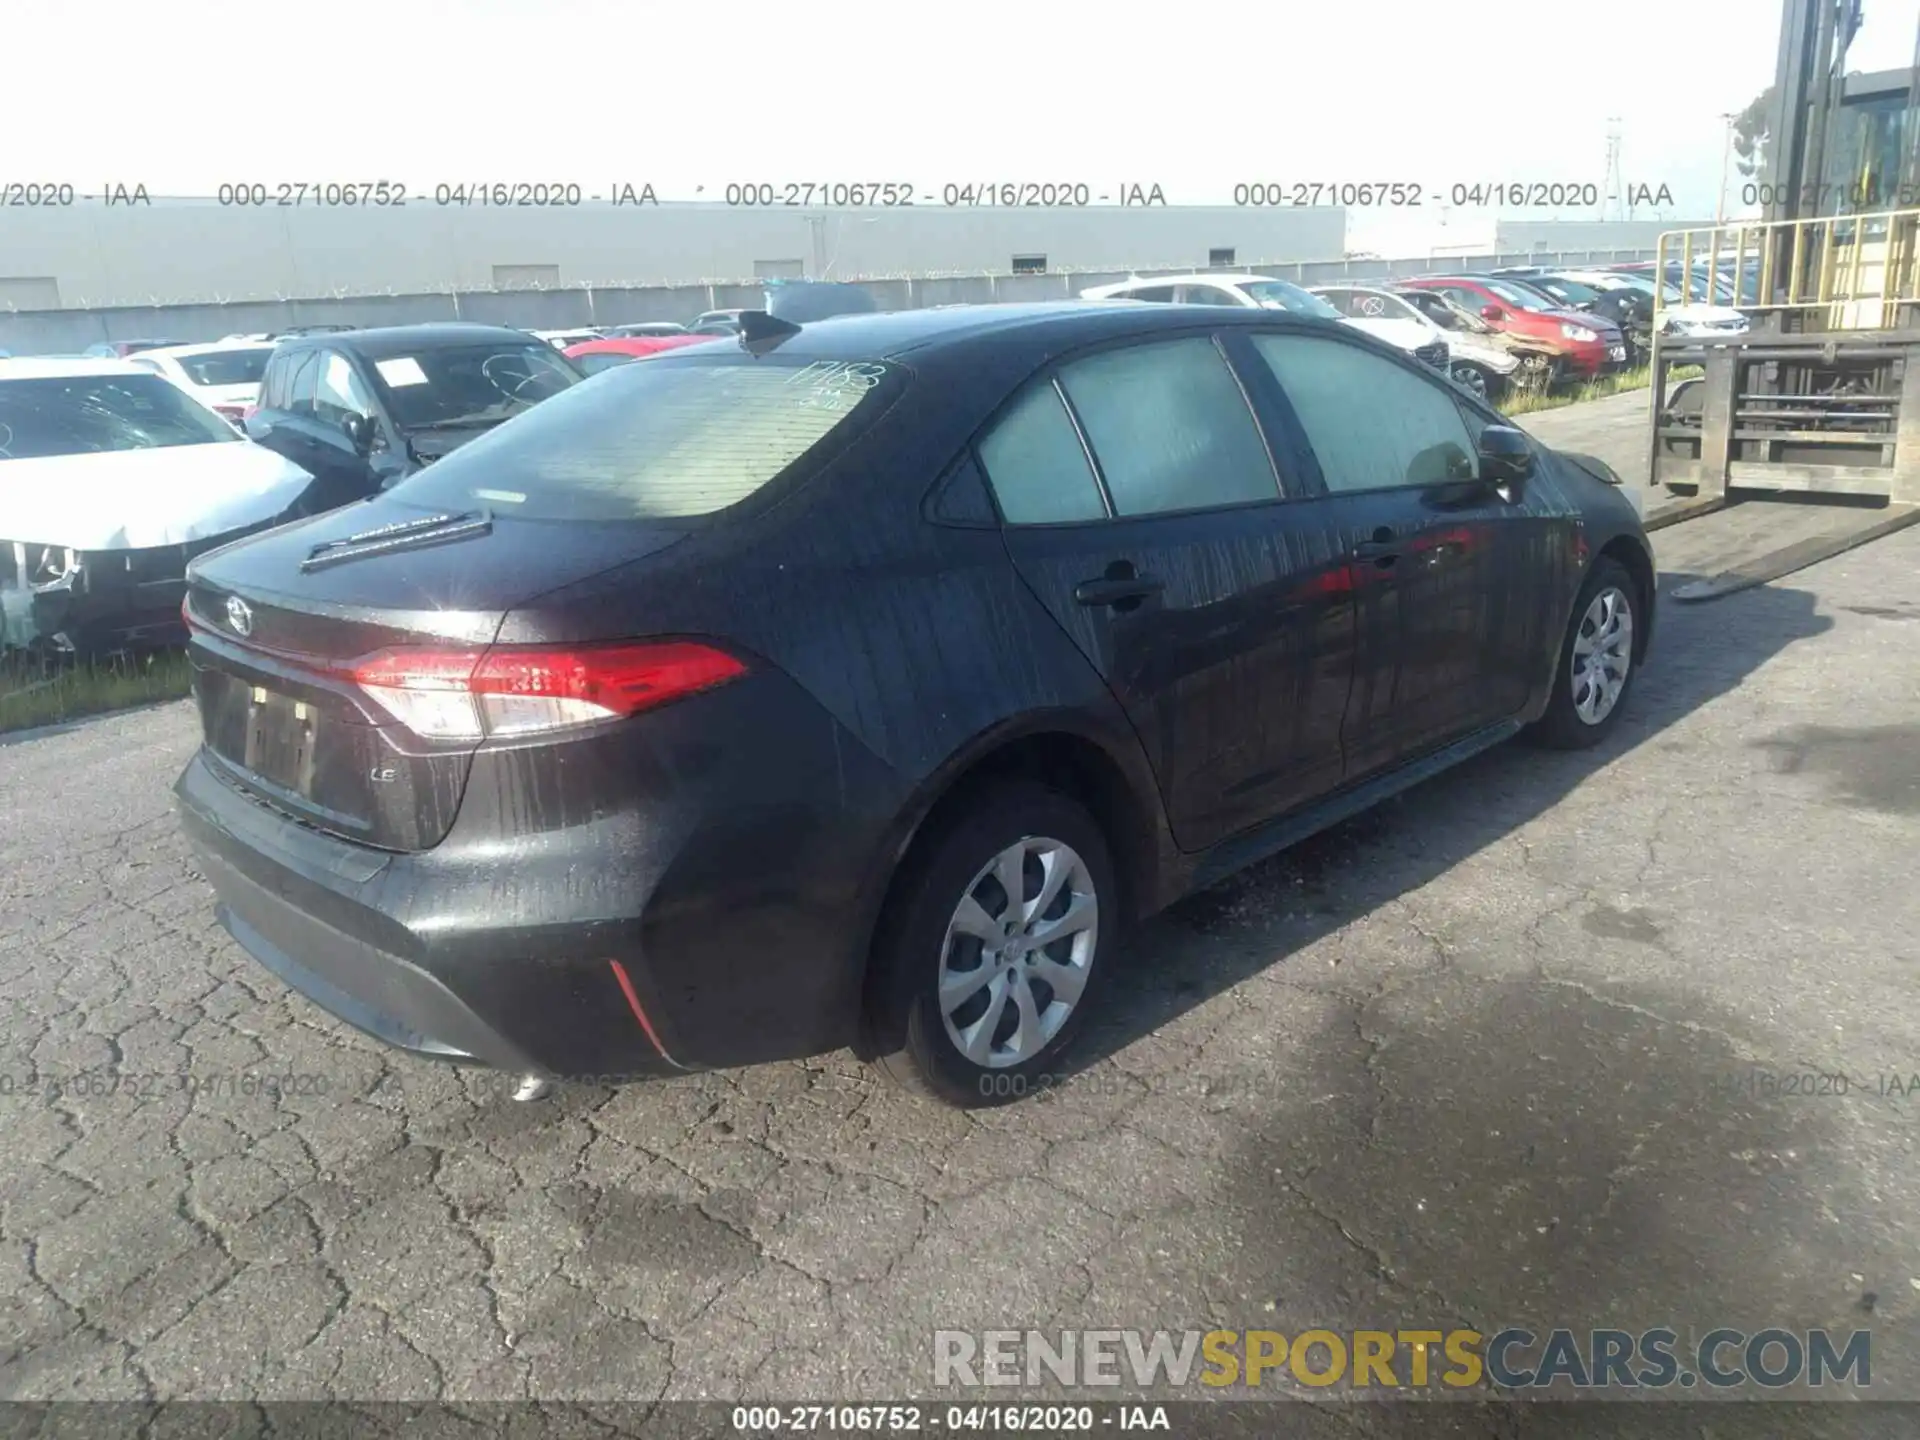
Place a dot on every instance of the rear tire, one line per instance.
(1596, 664)
(989, 1005)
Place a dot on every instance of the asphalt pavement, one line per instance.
(1498, 1053)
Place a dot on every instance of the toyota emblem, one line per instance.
(239, 615)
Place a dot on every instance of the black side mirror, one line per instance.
(1506, 457)
(360, 432)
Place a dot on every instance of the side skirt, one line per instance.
(1231, 856)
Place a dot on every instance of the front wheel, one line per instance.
(1472, 378)
(996, 945)
(1596, 664)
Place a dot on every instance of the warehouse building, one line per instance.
(91, 254)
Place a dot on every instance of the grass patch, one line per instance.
(1636, 379)
(1533, 404)
(33, 693)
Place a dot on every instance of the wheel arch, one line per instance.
(1633, 556)
(1106, 773)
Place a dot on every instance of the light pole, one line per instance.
(1726, 155)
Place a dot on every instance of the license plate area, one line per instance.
(280, 740)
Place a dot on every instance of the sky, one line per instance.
(185, 95)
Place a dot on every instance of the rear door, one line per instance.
(1142, 506)
(303, 422)
(1454, 581)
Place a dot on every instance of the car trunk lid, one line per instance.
(281, 649)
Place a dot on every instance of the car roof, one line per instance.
(45, 367)
(1041, 327)
(1192, 277)
(211, 347)
(394, 340)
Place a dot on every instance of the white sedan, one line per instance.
(1268, 292)
(224, 376)
(111, 479)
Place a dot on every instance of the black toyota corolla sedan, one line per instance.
(859, 683)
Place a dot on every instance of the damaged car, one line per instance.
(1472, 361)
(1470, 338)
(364, 409)
(111, 479)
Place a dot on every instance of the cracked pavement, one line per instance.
(1474, 1058)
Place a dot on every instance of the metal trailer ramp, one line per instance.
(1735, 543)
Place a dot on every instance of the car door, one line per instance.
(306, 427)
(1454, 580)
(1142, 506)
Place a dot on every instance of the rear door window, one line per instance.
(338, 390)
(1037, 466)
(303, 388)
(1170, 428)
(672, 439)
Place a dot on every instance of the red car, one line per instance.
(590, 357)
(1586, 345)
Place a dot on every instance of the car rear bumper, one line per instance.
(716, 915)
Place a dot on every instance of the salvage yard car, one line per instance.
(859, 684)
(111, 479)
(363, 408)
(1265, 292)
(224, 377)
(1473, 361)
(1583, 346)
(597, 355)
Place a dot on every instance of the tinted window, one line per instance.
(665, 440)
(1035, 463)
(1372, 423)
(273, 385)
(1209, 295)
(302, 389)
(82, 414)
(338, 390)
(1170, 428)
(226, 367)
(1161, 293)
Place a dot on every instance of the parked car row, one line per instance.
(120, 470)
(358, 411)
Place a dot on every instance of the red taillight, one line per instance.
(513, 690)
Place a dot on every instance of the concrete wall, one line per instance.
(184, 251)
(67, 331)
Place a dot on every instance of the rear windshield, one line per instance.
(672, 439)
(86, 414)
(226, 367)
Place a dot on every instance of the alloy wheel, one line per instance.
(1018, 951)
(1602, 655)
